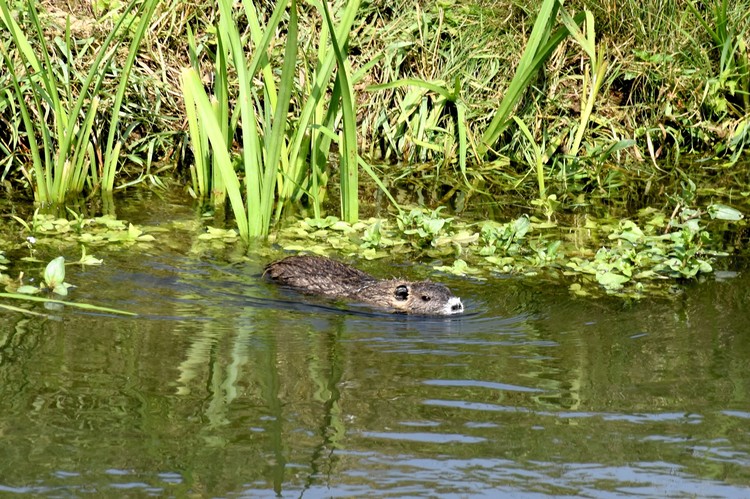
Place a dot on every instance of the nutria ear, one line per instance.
(402, 292)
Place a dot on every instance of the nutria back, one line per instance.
(323, 276)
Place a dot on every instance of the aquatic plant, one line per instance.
(54, 276)
(274, 153)
(59, 106)
(94, 231)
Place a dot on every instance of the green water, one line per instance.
(226, 386)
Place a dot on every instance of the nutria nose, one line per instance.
(457, 307)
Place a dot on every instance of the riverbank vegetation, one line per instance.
(556, 112)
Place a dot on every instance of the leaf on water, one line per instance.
(110, 222)
(342, 226)
(578, 290)
(90, 260)
(90, 238)
(500, 261)
(340, 243)
(459, 267)
(611, 280)
(27, 290)
(521, 226)
(215, 233)
(723, 212)
(134, 232)
(372, 254)
(54, 273)
(465, 237)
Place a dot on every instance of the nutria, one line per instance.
(323, 276)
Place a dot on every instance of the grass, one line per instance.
(605, 90)
(58, 106)
(274, 153)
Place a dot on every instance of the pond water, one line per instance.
(227, 386)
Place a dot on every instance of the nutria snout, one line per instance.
(319, 275)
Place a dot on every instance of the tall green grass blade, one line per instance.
(278, 127)
(526, 68)
(537, 155)
(323, 72)
(348, 167)
(230, 38)
(80, 154)
(413, 82)
(212, 129)
(61, 117)
(593, 77)
(462, 139)
(198, 142)
(42, 169)
(145, 11)
(82, 306)
(42, 189)
(540, 46)
(368, 169)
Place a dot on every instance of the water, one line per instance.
(227, 386)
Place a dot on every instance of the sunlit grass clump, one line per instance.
(60, 106)
(285, 128)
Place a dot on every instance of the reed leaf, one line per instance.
(212, 129)
(111, 153)
(82, 306)
(540, 46)
(275, 141)
(320, 144)
(593, 77)
(348, 167)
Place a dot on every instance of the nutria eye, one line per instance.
(425, 298)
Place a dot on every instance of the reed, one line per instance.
(280, 160)
(540, 45)
(59, 106)
(594, 72)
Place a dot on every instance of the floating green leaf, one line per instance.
(54, 273)
(723, 212)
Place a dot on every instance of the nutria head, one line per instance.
(422, 298)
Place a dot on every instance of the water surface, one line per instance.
(227, 386)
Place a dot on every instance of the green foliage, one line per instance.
(273, 154)
(58, 106)
(540, 45)
(422, 228)
(98, 231)
(432, 233)
(503, 239)
(728, 92)
(683, 251)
